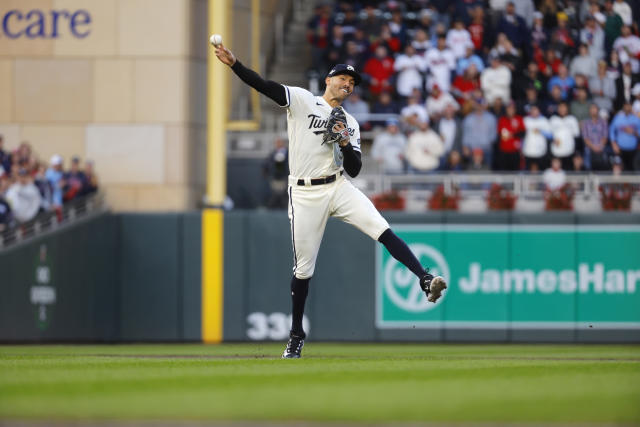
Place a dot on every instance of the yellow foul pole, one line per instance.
(212, 216)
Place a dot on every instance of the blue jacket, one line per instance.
(626, 141)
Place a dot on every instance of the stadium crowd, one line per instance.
(489, 85)
(29, 186)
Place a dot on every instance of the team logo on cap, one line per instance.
(350, 68)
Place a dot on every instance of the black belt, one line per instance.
(320, 181)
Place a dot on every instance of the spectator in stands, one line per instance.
(513, 26)
(563, 37)
(353, 55)
(595, 132)
(458, 39)
(496, 81)
(565, 129)
(44, 187)
(388, 40)
(55, 176)
(602, 87)
(580, 105)
(5, 209)
(24, 197)
(438, 101)
(424, 149)
(440, 63)
(538, 131)
(421, 42)
(550, 105)
(276, 170)
(75, 180)
(5, 158)
(635, 107)
(563, 80)
(449, 128)
(578, 165)
(479, 30)
(349, 22)
(530, 77)
(530, 99)
(624, 132)
(398, 27)
(414, 112)
(583, 63)
(593, 37)
(508, 54)
(389, 147)
(479, 130)
(409, 68)
(464, 87)
(384, 105)
(510, 132)
(624, 84)
(554, 178)
(628, 48)
(379, 70)
(318, 31)
(358, 108)
(469, 58)
(539, 34)
(372, 23)
(623, 9)
(613, 25)
(92, 179)
(549, 64)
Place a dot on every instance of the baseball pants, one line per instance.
(310, 206)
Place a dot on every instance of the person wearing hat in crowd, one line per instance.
(440, 64)
(388, 148)
(424, 149)
(624, 133)
(23, 197)
(438, 101)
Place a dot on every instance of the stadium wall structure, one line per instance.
(513, 278)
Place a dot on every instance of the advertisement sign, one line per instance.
(515, 276)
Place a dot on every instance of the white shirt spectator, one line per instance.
(624, 10)
(440, 64)
(24, 200)
(594, 38)
(457, 41)
(628, 48)
(418, 109)
(388, 150)
(585, 65)
(565, 130)
(448, 129)
(436, 106)
(496, 83)
(554, 179)
(424, 149)
(535, 141)
(409, 69)
(525, 9)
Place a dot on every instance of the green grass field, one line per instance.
(418, 383)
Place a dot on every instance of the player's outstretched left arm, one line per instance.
(273, 90)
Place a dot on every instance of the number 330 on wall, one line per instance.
(274, 326)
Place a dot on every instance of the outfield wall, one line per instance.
(137, 277)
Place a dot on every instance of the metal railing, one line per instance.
(50, 220)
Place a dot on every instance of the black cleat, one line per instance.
(294, 347)
(432, 286)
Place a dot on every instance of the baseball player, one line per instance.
(324, 142)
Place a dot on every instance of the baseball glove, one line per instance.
(332, 135)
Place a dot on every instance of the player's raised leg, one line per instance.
(356, 209)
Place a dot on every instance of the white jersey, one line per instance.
(306, 121)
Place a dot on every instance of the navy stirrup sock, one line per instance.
(400, 251)
(299, 292)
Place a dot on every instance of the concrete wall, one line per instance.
(121, 82)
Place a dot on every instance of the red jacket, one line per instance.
(381, 70)
(508, 130)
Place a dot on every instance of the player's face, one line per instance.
(340, 86)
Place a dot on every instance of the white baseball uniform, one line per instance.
(311, 205)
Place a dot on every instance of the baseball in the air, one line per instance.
(215, 39)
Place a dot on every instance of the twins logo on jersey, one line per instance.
(317, 122)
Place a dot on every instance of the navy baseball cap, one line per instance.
(345, 69)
